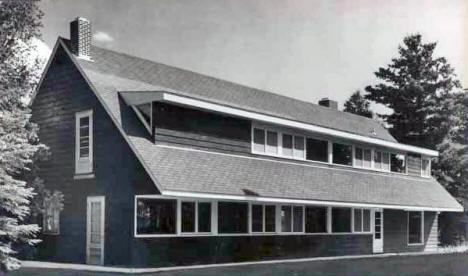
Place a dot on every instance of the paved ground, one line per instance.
(437, 265)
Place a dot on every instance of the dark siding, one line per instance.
(184, 126)
(63, 93)
(414, 164)
(202, 250)
(396, 235)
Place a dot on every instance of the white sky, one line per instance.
(303, 49)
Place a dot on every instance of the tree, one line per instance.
(358, 104)
(19, 143)
(413, 86)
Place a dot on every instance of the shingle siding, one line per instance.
(414, 164)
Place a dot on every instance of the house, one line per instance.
(162, 166)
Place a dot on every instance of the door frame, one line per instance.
(377, 247)
(102, 200)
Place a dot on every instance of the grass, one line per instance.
(417, 265)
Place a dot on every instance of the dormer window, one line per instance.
(144, 113)
(425, 167)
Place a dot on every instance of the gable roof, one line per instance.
(122, 72)
(180, 170)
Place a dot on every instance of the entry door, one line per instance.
(95, 230)
(378, 231)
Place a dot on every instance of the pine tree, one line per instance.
(19, 144)
(413, 86)
(358, 104)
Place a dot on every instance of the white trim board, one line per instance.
(188, 101)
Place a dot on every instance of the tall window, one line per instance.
(317, 150)
(84, 142)
(232, 217)
(415, 227)
(425, 167)
(156, 216)
(315, 219)
(342, 154)
(341, 220)
(398, 163)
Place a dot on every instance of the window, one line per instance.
(361, 220)
(232, 217)
(259, 140)
(315, 219)
(299, 147)
(426, 167)
(287, 145)
(378, 160)
(263, 218)
(298, 215)
(386, 161)
(51, 219)
(195, 217)
(415, 227)
(156, 216)
(381, 161)
(342, 154)
(84, 142)
(144, 113)
(272, 142)
(341, 220)
(292, 218)
(398, 163)
(286, 219)
(362, 157)
(317, 150)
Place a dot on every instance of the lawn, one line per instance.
(448, 264)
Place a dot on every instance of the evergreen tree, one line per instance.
(19, 144)
(358, 104)
(414, 85)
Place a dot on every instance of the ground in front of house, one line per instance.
(447, 264)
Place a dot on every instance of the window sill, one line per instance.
(83, 176)
(415, 244)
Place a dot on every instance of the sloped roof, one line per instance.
(122, 72)
(177, 169)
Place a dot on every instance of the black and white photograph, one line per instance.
(233, 137)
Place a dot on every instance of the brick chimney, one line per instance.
(80, 37)
(328, 103)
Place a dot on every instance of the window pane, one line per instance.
(414, 227)
(259, 140)
(367, 158)
(188, 216)
(145, 110)
(378, 160)
(317, 150)
(357, 220)
(299, 147)
(298, 217)
(270, 218)
(366, 220)
(316, 219)
(426, 171)
(285, 218)
(272, 142)
(156, 216)
(397, 163)
(287, 145)
(341, 220)
(386, 161)
(204, 217)
(257, 218)
(358, 157)
(232, 217)
(342, 154)
(84, 122)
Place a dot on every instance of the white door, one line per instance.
(378, 231)
(95, 230)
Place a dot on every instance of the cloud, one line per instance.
(102, 37)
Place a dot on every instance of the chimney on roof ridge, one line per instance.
(80, 37)
(328, 103)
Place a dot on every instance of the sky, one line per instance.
(305, 49)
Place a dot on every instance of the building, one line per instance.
(162, 166)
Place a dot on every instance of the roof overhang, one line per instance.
(140, 97)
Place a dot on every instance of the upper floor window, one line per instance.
(426, 167)
(398, 163)
(317, 150)
(84, 142)
(381, 161)
(342, 154)
(362, 157)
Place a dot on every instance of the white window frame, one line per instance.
(292, 232)
(406, 161)
(363, 149)
(84, 165)
(142, 119)
(195, 201)
(55, 217)
(423, 173)
(362, 220)
(263, 217)
(422, 229)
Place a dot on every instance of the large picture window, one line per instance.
(232, 217)
(342, 154)
(415, 227)
(84, 142)
(341, 220)
(315, 219)
(317, 150)
(156, 216)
